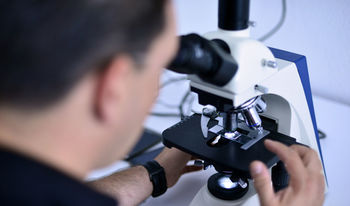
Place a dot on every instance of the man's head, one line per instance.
(48, 46)
(95, 61)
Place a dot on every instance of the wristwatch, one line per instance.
(157, 177)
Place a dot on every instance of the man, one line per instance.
(77, 80)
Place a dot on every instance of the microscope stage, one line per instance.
(187, 136)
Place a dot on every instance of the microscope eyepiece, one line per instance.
(210, 60)
(234, 14)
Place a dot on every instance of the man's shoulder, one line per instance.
(25, 181)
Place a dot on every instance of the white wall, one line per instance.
(318, 29)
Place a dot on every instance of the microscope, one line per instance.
(249, 93)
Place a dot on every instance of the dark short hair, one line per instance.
(47, 46)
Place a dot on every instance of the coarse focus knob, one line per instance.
(280, 177)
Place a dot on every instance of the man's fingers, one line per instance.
(315, 182)
(292, 160)
(309, 157)
(301, 150)
(262, 183)
(189, 169)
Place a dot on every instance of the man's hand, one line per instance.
(174, 163)
(132, 186)
(306, 184)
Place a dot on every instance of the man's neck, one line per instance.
(47, 140)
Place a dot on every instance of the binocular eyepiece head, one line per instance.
(210, 60)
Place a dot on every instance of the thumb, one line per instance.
(262, 183)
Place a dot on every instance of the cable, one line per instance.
(278, 25)
(171, 81)
(321, 134)
(180, 114)
(158, 114)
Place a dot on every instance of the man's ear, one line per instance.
(112, 88)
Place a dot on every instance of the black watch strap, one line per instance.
(157, 177)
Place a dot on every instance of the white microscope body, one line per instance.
(254, 83)
(277, 81)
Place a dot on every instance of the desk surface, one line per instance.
(332, 118)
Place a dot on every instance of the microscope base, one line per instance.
(205, 198)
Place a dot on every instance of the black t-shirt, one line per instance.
(24, 181)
